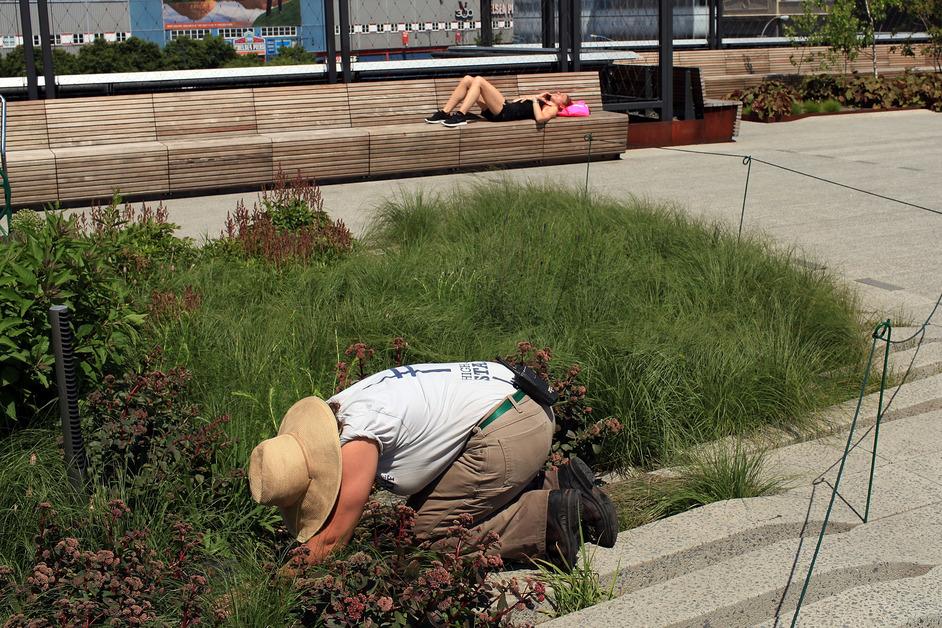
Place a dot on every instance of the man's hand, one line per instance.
(359, 458)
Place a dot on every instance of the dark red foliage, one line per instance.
(289, 225)
(577, 432)
(141, 429)
(120, 581)
(396, 582)
(168, 305)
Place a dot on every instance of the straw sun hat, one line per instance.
(299, 470)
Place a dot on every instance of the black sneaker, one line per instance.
(457, 119)
(438, 117)
(599, 517)
(562, 529)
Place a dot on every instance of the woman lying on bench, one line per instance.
(475, 90)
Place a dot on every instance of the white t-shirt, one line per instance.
(420, 415)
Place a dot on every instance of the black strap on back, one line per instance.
(527, 380)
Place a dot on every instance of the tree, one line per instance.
(929, 14)
(193, 54)
(844, 26)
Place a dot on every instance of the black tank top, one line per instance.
(517, 111)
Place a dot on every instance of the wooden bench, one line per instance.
(727, 70)
(86, 149)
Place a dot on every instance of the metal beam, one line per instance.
(345, 41)
(26, 21)
(45, 41)
(330, 39)
(666, 58)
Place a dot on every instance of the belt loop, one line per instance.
(514, 402)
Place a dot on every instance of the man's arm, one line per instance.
(359, 458)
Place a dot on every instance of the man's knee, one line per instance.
(468, 79)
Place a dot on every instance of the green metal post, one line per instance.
(837, 480)
(888, 328)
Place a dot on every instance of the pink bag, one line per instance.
(578, 109)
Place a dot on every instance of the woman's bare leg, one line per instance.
(458, 94)
(480, 89)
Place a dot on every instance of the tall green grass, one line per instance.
(685, 333)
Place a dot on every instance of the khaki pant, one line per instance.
(489, 481)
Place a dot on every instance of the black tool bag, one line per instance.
(532, 384)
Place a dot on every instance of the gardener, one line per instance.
(459, 439)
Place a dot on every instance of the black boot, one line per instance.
(562, 528)
(599, 517)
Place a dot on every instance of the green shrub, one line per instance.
(139, 242)
(26, 221)
(830, 106)
(797, 108)
(820, 86)
(571, 591)
(717, 474)
(57, 264)
(811, 106)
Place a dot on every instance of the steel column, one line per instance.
(26, 21)
(345, 41)
(711, 19)
(575, 32)
(487, 23)
(547, 23)
(718, 35)
(45, 41)
(330, 39)
(564, 30)
(666, 58)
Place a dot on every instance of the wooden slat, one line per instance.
(579, 85)
(565, 137)
(412, 148)
(301, 108)
(391, 102)
(26, 125)
(97, 172)
(210, 113)
(32, 175)
(210, 163)
(753, 61)
(507, 85)
(100, 120)
(320, 155)
(496, 143)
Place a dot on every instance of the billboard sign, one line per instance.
(249, 44)
(200, 14)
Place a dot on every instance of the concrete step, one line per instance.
(728, 563)
(912, 601)
(753, 587)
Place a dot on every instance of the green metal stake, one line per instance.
(887, 327)
(840, 474)
(588, 160)
(746, 161)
